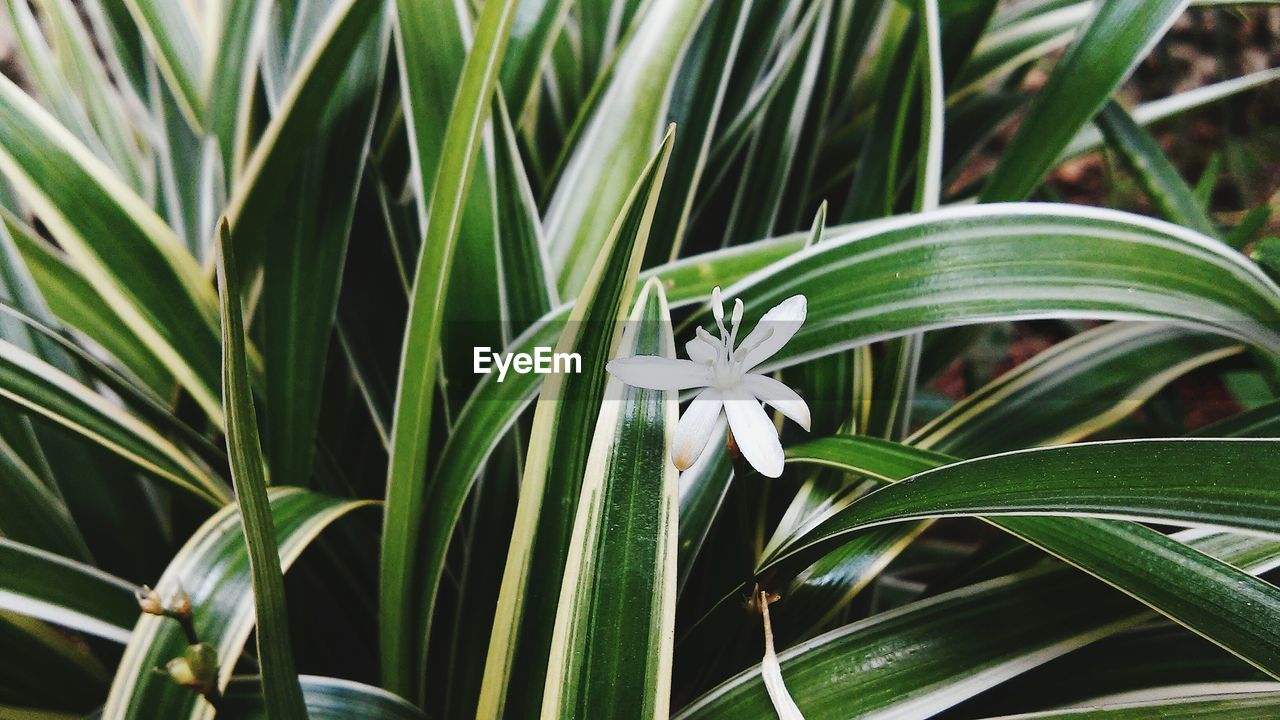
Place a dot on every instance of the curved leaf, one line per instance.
(213, 567)
(327, 699)
(122, 247)
(1017, 261)
(45, 390)
(72, 594)
(1196, 482)
(1075, 388)
(927, 656)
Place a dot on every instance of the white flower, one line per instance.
(730, 385)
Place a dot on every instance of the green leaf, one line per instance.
(44, 667)
(1017, 261)
(1152, 567)
(1072, 390)
(1184, 706)
(402, 643)
(49, 587)
(529, 291)
(494, 407)
(1117, 37)
(306, 241)
(530, 47)
(269, 171)
(771, 153)
(280, 687)
(1129, 479)
(1168, 192)
(171, 36)
(122, 247)
(231, 76)
(697, 99)
(615, 625)
(555, 464)
(73, 300)
(327, 699)
(950, 647)
(1149, 113)
(44, 390)
(74, 82)
(213, 567)
(33, 512)
(615, 142)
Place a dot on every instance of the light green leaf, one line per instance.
(402, 641)
(171, 36)
(615, 143)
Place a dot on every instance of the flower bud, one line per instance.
(149, 601)
(180, 604)
(196, 669)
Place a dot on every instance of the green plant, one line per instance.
(248, 250)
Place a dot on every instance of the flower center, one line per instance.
(730, 364)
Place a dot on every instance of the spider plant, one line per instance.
(249, 250)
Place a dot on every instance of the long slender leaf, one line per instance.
(280, 689)
(171, 36)
(1168, 567)
(1170, 194)
(567, 411)
(1016, 261)
(50, 587)
(402, 643)
(616, 141)
(47, 391)
(615, 626)
(1076, 388)
(1118, 35)
(929, 655)
(1131, 478)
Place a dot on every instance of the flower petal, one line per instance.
(774, 393)
(701, 351)
(784, 320)
(754, 433)
(694, 428)
(658, 373)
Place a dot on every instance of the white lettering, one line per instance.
(542, 362)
